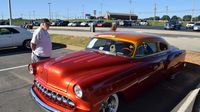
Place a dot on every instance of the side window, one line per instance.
(4, 31)
(146, 48)
(13, 30)
(163, 46)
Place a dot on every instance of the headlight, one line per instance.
(30, 69)
(78, 91)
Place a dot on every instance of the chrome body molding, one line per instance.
(45, 106)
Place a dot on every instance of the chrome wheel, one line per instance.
(110, 104)
(27, 44)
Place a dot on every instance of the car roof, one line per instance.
(132, 37)
(8, 26)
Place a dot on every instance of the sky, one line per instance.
(64, 9)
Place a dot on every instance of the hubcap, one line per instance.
(27, 44)
(110, 104)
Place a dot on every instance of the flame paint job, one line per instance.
(100, 75)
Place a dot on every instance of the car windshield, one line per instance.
(110, 46)
(197, 24)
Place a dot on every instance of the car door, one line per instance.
(150, 63)
(19, 35)
(5, 38)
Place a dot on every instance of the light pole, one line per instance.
(83, 12)
(10, 12)
(101, 4)
(193, 2)
(33, 14)
(130, 9)
(167, 10)
(155, 12)
(49, 11)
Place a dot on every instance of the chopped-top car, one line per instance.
(113, 65)
(14, 36)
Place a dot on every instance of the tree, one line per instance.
(157, 18)
(174, 17)
(152, 18)
(92, 17)
(198, 18)
(165, 17)
(187, 18)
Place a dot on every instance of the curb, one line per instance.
(186, 105)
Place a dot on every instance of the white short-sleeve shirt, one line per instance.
(43, 43)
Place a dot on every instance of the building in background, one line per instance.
(120, 16)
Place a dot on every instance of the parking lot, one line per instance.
(15, 82)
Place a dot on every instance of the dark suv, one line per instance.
(173, 25)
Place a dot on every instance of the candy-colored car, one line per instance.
(114, 65)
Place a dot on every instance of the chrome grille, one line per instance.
(54, 95)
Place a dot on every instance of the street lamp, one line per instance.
(49, 11)
(10, 12)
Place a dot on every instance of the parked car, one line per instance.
(12, 36)
(97, 22)
(196, 26)
(36, 23)
(172, 25)
(62, 23)
(70, 24)
(104, 24)
(84, 24)
(144, 23)
(125, 23)
(76, 23)
(190, 25)
(112, 65)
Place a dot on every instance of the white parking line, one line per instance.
(11, 68)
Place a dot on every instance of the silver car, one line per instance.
(14, 36)
(196, 26)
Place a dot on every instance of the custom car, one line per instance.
(113, 66)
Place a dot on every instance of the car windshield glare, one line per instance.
(110, 46)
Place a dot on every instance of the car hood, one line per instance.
(62, 70)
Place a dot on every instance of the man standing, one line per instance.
(113, 27)
(41, 43)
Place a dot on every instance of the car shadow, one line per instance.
(20, 50)
(164, 96)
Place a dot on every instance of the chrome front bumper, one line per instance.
(45, 106)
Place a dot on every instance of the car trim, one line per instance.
(45, 106)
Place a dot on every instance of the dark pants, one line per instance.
(35, 58)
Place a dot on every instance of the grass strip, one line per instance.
(79, 41)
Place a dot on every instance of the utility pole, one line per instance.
(2, 15)
(167, 10)
(83, 12)
(10, 12)
(130, 9)
(33, 14)
(67, 13)
(155, 12)
(49, 11)
(101, 4)
(193, 2)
